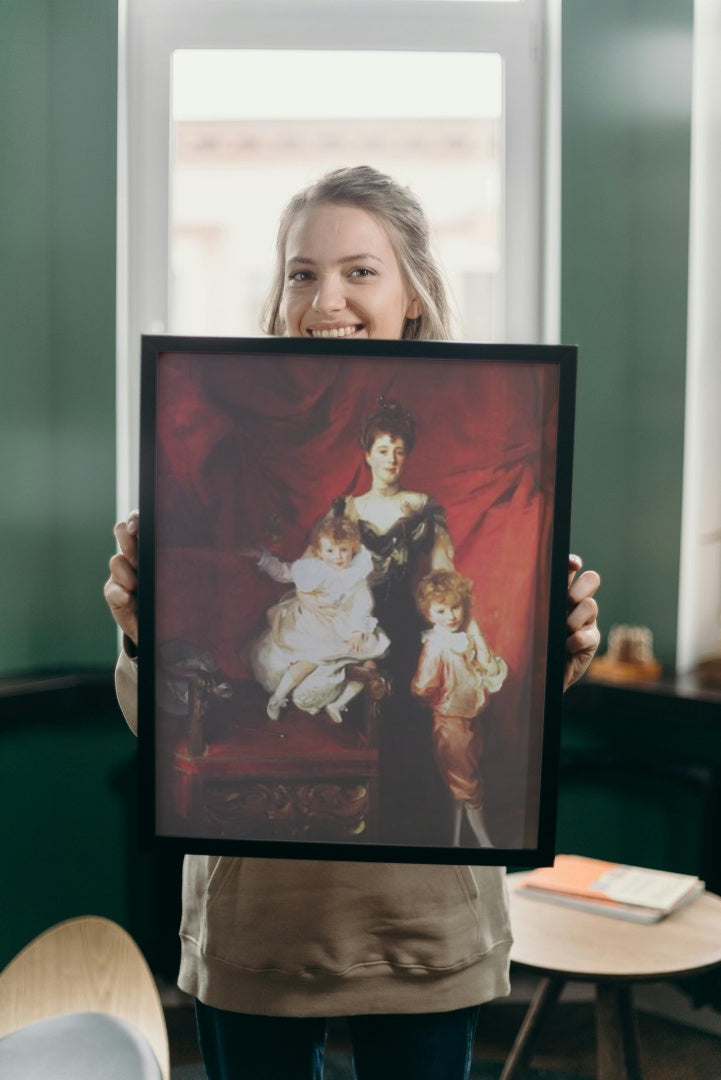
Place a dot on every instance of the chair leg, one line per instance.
(617, 1033)
(545, 997)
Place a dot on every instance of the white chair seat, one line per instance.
(78, 1046)
(80, 1002)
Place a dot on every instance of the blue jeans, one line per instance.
(415, 1046)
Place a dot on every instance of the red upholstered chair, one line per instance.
(231, 772)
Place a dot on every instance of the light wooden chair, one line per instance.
(87, 970)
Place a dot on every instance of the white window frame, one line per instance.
(699, 597)
(526, 34)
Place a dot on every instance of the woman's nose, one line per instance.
(329, 295)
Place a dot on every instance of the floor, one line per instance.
(669, 1051)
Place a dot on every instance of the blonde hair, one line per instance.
(335, 527)
(402, 216)
(441, 587)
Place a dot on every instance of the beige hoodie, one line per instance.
(284, 937)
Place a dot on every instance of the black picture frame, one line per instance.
(246, 443)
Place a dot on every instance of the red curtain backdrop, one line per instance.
(253, 449)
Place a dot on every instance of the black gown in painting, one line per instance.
(414, 804)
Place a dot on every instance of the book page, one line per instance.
(652, 888)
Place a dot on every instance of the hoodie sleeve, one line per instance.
(126, 688)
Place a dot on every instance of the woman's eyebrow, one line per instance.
(361, 257)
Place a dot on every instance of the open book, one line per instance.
(608, 888)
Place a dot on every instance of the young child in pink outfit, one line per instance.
(456, 672)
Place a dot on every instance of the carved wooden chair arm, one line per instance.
(376, 682)
(199, 685)
(377, 685)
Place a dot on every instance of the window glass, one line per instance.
(251, 127)
(470, 1)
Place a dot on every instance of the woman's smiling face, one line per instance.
(342, 277)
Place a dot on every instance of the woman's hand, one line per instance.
(121, 587)
(582, 633)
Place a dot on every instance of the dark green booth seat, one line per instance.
(68, 801)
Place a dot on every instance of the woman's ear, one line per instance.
(415, 309)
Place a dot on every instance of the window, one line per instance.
(235, 161)
(227, 107)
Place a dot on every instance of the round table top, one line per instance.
(559, 940)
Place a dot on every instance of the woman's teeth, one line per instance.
(337, 331)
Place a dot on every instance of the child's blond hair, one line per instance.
(442, 587)
(336, 527)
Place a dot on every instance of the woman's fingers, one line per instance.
(575, 562)
(126, 534)
(123, 607)
(123, 572)
(121, 587)
(583, 611)
(582, 633)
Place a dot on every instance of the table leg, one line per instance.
(617, 1033)
(545, 997)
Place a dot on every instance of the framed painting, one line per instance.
(352, 597)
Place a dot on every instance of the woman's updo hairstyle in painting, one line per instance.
(403, 217)
(390, 418)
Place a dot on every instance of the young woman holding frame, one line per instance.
(272, 948)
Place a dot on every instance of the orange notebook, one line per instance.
(632, 892)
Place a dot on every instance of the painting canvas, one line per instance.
(352, 597)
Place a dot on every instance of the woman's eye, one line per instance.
(362, 272)
(299, 276)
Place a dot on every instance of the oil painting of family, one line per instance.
(321, 522)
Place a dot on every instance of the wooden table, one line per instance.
(563, 944)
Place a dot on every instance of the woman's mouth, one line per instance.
(335, 331)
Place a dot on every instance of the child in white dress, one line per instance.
(456, 672)
(326, 623)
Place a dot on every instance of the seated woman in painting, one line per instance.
(407, 535)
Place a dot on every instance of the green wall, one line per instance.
(58, 65)
(66, 758)
(626, 145)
